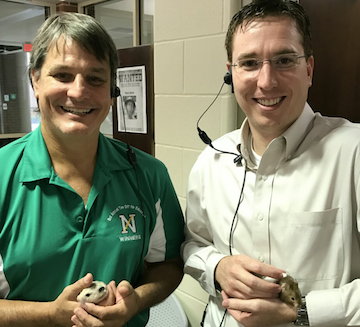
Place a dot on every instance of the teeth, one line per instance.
(77, 111)
(269, 102)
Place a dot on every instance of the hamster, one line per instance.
(290, 292)
(95, 293)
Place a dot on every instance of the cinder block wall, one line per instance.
(190, 62)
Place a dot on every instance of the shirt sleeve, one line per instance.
(198, 251)
(4, 286)
(340, 306)
(167, 235)
(335, 307)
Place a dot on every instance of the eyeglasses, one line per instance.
(280, 62)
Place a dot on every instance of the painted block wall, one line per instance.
(190, 62)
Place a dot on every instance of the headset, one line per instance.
(238, 160)
(202, 134)
(228, 79)
(115, 92)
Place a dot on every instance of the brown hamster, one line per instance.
(290, 292)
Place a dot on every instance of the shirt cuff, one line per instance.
(211, 264)
(325, 308)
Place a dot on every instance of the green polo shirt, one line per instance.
(49, 239)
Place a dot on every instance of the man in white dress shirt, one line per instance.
(292, 203)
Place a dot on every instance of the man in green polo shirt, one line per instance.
(73, 202)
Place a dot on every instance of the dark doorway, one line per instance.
(336, 43)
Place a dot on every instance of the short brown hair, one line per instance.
(261, 9)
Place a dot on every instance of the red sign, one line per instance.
(27, 47)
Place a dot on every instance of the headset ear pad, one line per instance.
(228, 78)
(115, 92)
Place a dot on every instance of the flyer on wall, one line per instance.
(131, 106)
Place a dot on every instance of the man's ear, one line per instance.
(310, 69)
(228, 65)
(35, 75)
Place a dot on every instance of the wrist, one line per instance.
(216, 283)
(217, 273)
(302, 315)
(217, 286)
(50, 313)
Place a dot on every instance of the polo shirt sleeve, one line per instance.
(4, 286)
(167, 235)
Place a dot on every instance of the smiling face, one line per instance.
(271, 99)
(73, 91)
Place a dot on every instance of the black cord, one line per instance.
(230, 241)
(206, 139)
(223, 318)
(238, 158)
(204, 314)
(236, 211)
(132, 158)
(133, 161)
(197, 124)
(232, 228)
(123, 115)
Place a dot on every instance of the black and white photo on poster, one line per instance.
(131, 105)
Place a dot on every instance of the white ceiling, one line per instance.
(20, 19)
(19, 22)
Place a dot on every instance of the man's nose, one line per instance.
(267, 77)
(79, 88)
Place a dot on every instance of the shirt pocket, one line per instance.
(314, 247)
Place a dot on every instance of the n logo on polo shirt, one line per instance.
(128, 223)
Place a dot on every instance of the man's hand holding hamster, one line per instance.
(151, 288)
(116, 311)
(61, 310)
(250, 299)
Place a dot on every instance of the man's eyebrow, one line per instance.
(254, 55)
(285, 51)
(98, 70)
(59, 67)
(246, 56)
(65, 67)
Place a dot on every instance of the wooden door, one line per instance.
(336, 43)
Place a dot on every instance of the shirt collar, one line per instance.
(243, 143)
(293, 136)
(36, 163)
(297, 132)
(112, 154)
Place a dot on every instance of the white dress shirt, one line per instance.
(299, 212)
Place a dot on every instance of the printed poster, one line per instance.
(131, 105)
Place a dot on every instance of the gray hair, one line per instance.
(84, 30)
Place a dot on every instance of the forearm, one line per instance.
(200, 263)
(335, 307)
(158, 282)
(24, 314)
